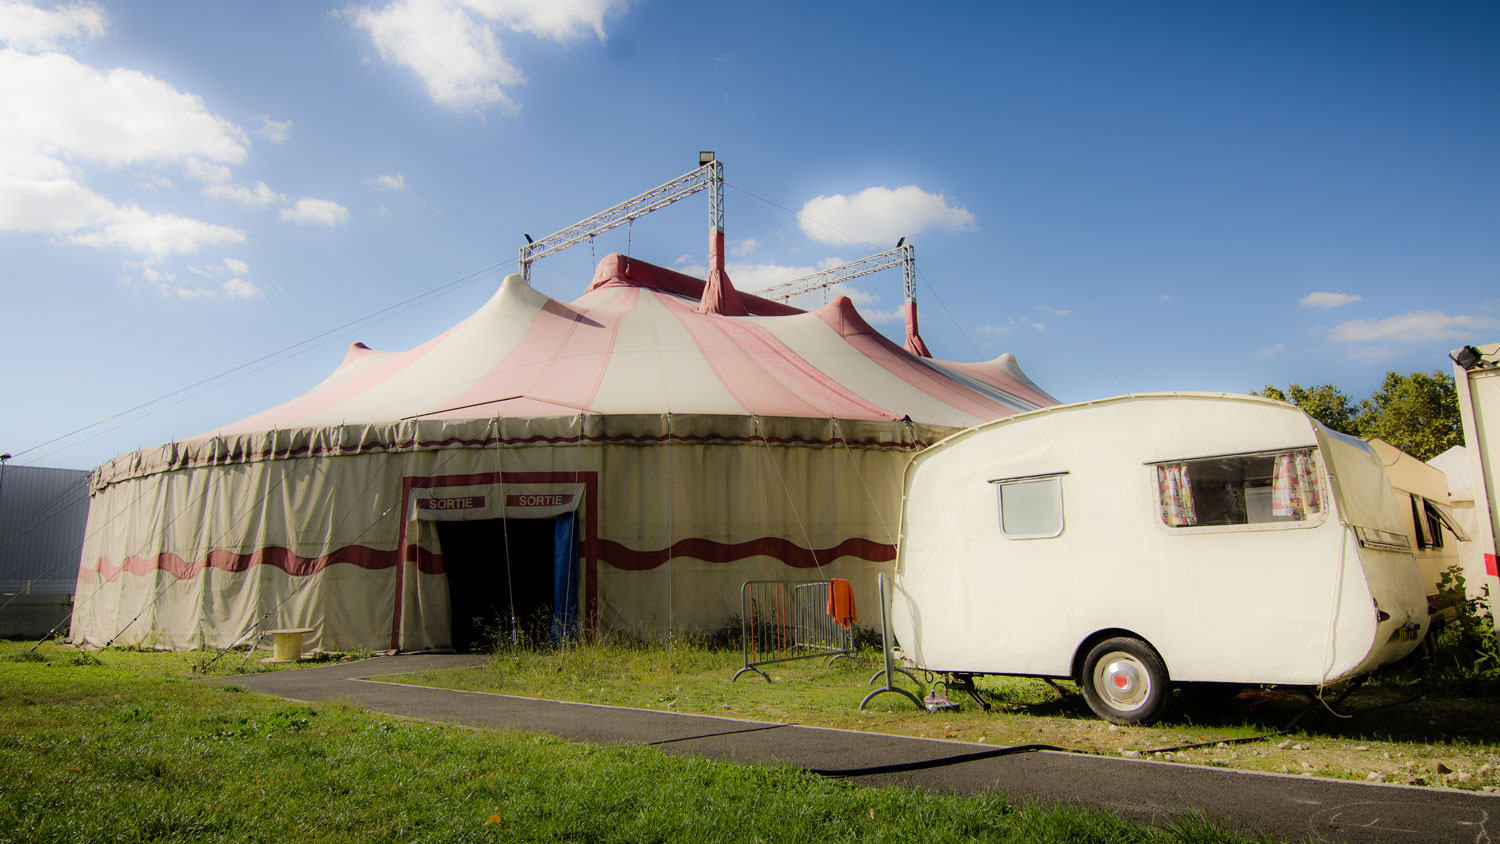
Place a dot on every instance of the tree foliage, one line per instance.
(1417, 413)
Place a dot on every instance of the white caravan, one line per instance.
(1138, 542)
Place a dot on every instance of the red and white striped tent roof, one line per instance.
(640, 340)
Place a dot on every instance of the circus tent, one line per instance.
(620, 462)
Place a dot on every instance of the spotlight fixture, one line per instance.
(705, 156)
(901, 241)
(1468, 357)
(528, 237)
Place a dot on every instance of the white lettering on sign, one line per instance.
(468, 502)
(538, 500)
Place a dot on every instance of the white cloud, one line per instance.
(259, 196)
(62, 115)
(1010, 324)
(1164, 298)
(1415, 327)
(324, 211)
(60, 107)
(208, 172)
(741, 248)
(149, 271)
(167, 284)
(156, 183)
(457, 58)
(275, 131)
(1327, 301)
(879, 215)
(236, 288)
(394, 182)
(559, 20)
(453, 46)
(1059, 312)
(1270, 351)
(157, 235)
(27, 27)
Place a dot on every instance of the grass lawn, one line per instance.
(126, 746)
(1399, 735)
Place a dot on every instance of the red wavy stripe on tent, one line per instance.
(710, 551)
(427, 562)
(229, 561)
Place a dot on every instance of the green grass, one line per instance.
(126, 746)
(1444, 740)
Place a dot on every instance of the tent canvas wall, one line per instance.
(692, 450)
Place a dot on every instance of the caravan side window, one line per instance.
(1030, 507)
(1244, 489)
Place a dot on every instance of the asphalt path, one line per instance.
(1286, 807)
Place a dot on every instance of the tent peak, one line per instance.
(514, 292)
(355, 352)
(616, 270)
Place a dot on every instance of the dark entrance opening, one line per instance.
(484, 582)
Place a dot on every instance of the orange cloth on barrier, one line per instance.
(841, 602)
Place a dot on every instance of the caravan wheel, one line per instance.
(1125, 682)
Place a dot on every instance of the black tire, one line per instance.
(1125, 682)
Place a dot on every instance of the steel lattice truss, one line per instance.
(706, 176)
(904, 256)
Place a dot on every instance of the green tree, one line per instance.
(1417, 413)
(1325, 403)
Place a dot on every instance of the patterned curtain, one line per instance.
(1176, 495)
(1294, 486)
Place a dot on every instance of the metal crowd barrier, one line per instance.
(786, 620)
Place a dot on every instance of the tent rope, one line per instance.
(671, 543)
(510, 589)
(869, 494)
(788, 493)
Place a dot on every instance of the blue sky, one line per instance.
(209, 201)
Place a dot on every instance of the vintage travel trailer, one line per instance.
(1435, 534)
(1140, 542)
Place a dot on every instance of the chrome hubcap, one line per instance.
(1122, 681)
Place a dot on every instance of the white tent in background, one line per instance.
(623, 461)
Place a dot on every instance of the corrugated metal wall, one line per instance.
(42, 516)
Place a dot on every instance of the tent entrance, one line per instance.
(510, 579)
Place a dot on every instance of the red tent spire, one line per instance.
(914, 342)
(719, 295)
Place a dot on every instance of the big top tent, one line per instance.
(622, 462)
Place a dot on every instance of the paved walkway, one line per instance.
(1293, 808)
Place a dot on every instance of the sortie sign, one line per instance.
(467, 502)
(528, 499)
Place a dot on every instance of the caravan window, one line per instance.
(1030, 507)
(1247, 489)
